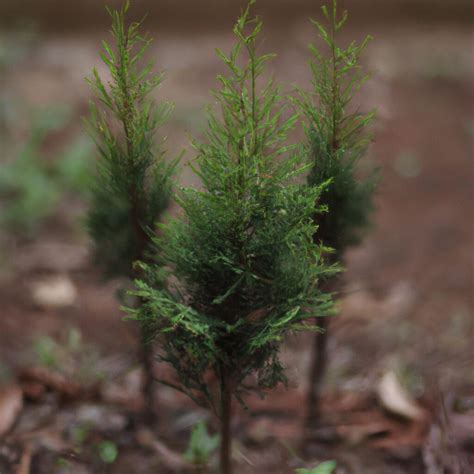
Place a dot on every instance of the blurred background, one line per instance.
(407, 306)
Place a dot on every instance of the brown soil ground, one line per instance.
(407, 301)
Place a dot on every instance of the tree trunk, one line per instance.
(226, 418)
(319, 359)
(317, 371)
(149, 413)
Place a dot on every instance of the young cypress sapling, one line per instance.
(337, 140)
(133, 184)
(244, 264)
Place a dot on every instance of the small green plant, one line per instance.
(337, 140)
(31, 185)
(201, 446)
(63, 464)
(245, 269)
(70, 355)
(327, 467)
(108, 452)
(46, 351)
(133, 183)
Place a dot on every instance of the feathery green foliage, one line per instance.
(337, 136)
(133, 185)
(243, 255)
(337, 139)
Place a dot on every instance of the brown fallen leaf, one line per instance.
(49, 438)
(358, 433)
(33, 390)
(51, 380)
(25, 462)
(11, 403)
(394, 398)
(54, 292)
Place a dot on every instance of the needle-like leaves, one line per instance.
(244, 264)
(133, 184)
(337, 135)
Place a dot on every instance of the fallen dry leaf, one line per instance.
(396, 399)
(25, 461)
(51, 380)
(358, 433)
(54, 292)
(11, 403)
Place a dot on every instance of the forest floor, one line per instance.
(70, 400)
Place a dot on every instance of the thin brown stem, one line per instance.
(148, 383)
(317, 371)
(226, 418)
(319, 360)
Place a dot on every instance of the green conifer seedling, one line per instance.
(133, 184)
(245, 269)
(337, 140)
